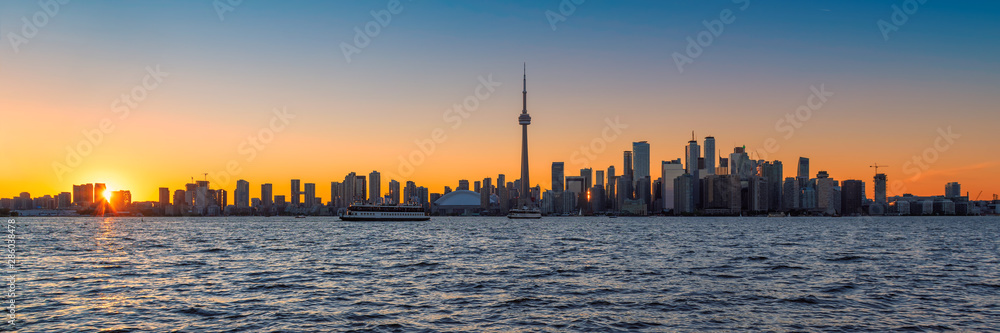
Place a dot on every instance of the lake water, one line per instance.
(493, 274)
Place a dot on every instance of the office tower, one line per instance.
(348, 192)
(693, 153)
(627, 164)
(296, 193)
(524, 120)
(393, 192)
(588, 176)
(710, 155)
(803, 168)
(164, 197)
(242, 194)
(824, 185)
(463, 185)
(503, 194)
(558, 177)
(374, 187)
(952, 190)
(772, 172)
(880, 182)
(851, 197)
(360, 189)
(684, 194)
(99, 189)
(410, 192)
(790, 194)
(484, 193)
(576, 187)
(599, 178)
(740, 164)
(310, 194)
(612, 187)
(336, 195)
(266, 194)
(669, 171)
(179, 204)
(641, 177)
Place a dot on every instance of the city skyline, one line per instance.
(920, 99)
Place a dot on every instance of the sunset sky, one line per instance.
(222, 76)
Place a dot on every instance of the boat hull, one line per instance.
(383, 219)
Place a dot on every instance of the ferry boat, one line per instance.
(524, 213)
(366, 212)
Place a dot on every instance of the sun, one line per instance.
(107, 195)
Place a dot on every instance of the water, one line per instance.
(494, 274)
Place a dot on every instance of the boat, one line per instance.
(524, 213)
(300, 216)
(367, 212)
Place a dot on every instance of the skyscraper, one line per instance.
(693, 154)
(374, 187)
(880, 181)
(164, 197)
(953, 190)
(524, 120)
(641, 177)
(851, 197)
(99, 189)
(599, 178)
(310, 195)
(394, 192)
(625, 182)
(803, 168)
(710, 155)
(296, 192)
(266, 194)
(558, 177)
(670, 170)
(242, 194)
(588, 176)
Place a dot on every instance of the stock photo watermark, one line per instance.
(30, 27)
(456, 115)
(588, 153)
(899, 16)
(253, 145)
(566, 9)
(122, 107)
(793, 121)
(701, 41)
(373, 28)
(225, 6)
(11, 270)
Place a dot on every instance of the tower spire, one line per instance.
(524, 91)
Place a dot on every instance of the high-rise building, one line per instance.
(558, 177)
(99, 189)
(296, 193)
(337, 195)
(599, 178)
(242, 194)
(164, 197)
(310, 194)
(266, 194)
(693, 153)
(670, 170)
(851, 197)
(394, 192)
(179, 204)
(360, 189)
(588, 176)
(710, 155)
(773, 174)
(627, 164)
(953, 190)
(880, 182)
(410, 195)
(611, 188)
(349, 189)
(463, 185)
(803, 168)
(641, 176)
(374, 187)
(684, 194)
(790, 194)
(824, 187)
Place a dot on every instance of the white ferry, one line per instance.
(366, 212)
(524, 213)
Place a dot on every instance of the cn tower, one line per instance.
(524, 119)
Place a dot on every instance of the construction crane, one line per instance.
(876, 166)
(978, 195)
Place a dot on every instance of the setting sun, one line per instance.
(107, 195)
